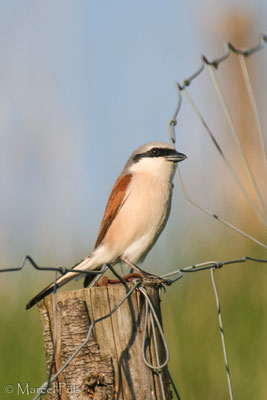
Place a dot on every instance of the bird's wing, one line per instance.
(115, 202)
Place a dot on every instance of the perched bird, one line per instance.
(136, 213)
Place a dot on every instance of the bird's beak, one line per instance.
(176, 157)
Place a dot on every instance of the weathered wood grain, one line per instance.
(110, 365)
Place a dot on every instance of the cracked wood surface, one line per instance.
(110, 365)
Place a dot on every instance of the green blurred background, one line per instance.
(82, 85)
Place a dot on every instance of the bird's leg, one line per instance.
(146, 276)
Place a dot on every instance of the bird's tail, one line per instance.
(86, 264)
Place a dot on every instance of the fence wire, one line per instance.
(175, 276)
(150, 315)
(181, 88)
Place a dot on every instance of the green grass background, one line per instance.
(190, 324)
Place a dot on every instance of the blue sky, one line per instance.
(82, 85)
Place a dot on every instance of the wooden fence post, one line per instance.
(110, 366)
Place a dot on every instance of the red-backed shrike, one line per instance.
(136, 212)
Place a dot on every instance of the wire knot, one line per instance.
(173, 122)
(218, 264)
(63, 270)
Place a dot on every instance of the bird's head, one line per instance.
(155, 158)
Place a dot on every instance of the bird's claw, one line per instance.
(150, 279)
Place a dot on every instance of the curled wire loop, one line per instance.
(150, 312)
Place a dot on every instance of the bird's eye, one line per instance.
(155, 152)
